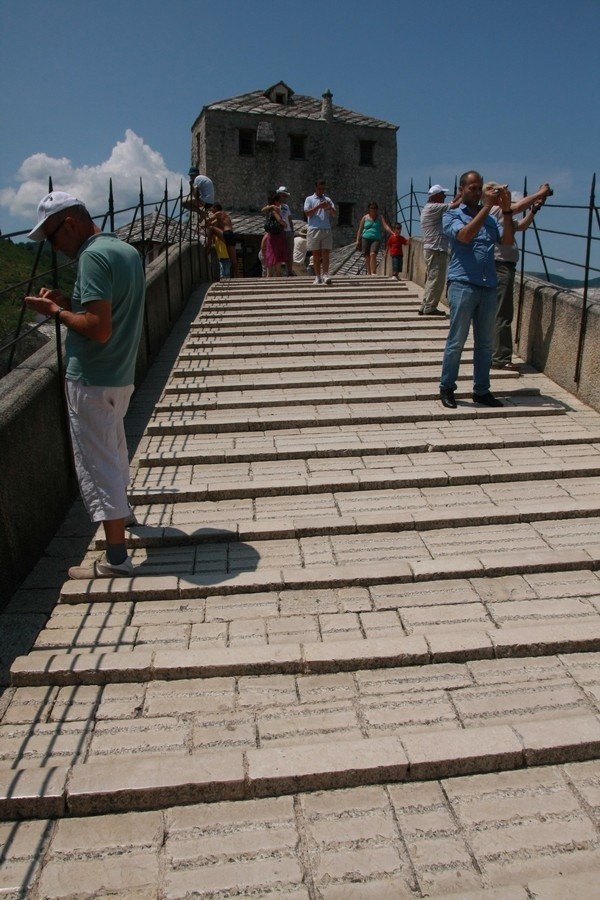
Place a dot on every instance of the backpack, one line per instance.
(272, 225)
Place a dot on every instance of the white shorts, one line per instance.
(99, 447)
(319, 239)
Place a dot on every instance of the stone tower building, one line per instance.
(251, 144)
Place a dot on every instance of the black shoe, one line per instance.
(487, 399)
(421, 313)
(433, 312)
(447, 398)
(507, 367)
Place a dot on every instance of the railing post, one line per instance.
(166, 202)
(111, 205)
(60, 369)
(143, 224)
(180, 241)
(522, 275)
(143, 233)
(586, 281)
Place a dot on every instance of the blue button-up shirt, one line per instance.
(472, 263)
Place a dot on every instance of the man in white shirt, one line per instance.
(320, 211)
(435, 248)
(506, 258)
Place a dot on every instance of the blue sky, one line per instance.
(112, 88)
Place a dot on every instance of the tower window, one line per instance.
(366, 153)
(345, 216)
(297, 146)
(246, 141)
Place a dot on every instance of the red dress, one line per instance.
(275, 249)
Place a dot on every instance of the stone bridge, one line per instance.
(360, 655)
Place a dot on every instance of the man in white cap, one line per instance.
(435, 248)
(103, 318)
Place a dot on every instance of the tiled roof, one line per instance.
(348, 260)
(299, 107)
(155, 227)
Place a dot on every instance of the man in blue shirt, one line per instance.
(473, 232)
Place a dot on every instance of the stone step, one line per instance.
(225, 569)
(147, 782)
(345, 413)
(276, 333)
(341, 293)
(189, 483)
(334, 394)
(291, 363)
(278, 380)
(287, 344)
(187, 450)
(102, 651)
(191, 528)
(228, 321)
(119, 780)
(233, 324)
(507, 836)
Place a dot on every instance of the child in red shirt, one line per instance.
(396, 241)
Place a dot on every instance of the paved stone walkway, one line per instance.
(360, 654)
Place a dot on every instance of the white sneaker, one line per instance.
(101, 568)
(317, 280)
(327, 279)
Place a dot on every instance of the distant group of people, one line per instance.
(286, 249)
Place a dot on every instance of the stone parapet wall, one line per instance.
(37, 484)
(550, 320)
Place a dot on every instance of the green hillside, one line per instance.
(16, 265)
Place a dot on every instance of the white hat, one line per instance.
(283, 190)
(52, 203)
(437, 189)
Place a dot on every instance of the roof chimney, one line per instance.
(327, 106)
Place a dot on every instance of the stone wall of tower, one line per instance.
(332, 149)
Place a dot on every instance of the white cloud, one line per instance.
(130, 160)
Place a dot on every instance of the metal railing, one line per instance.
(582, 236)
(168, 224)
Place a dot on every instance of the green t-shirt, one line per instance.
(107, 269)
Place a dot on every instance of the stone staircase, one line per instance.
(359, 657)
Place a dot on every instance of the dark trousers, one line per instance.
(502, 347)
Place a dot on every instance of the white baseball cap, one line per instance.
(52, 203)
(283, 190)
(437, 189)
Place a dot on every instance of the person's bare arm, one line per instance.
(95, 322)
(359, 232)
(531, 199)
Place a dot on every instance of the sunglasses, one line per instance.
(50, 237)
